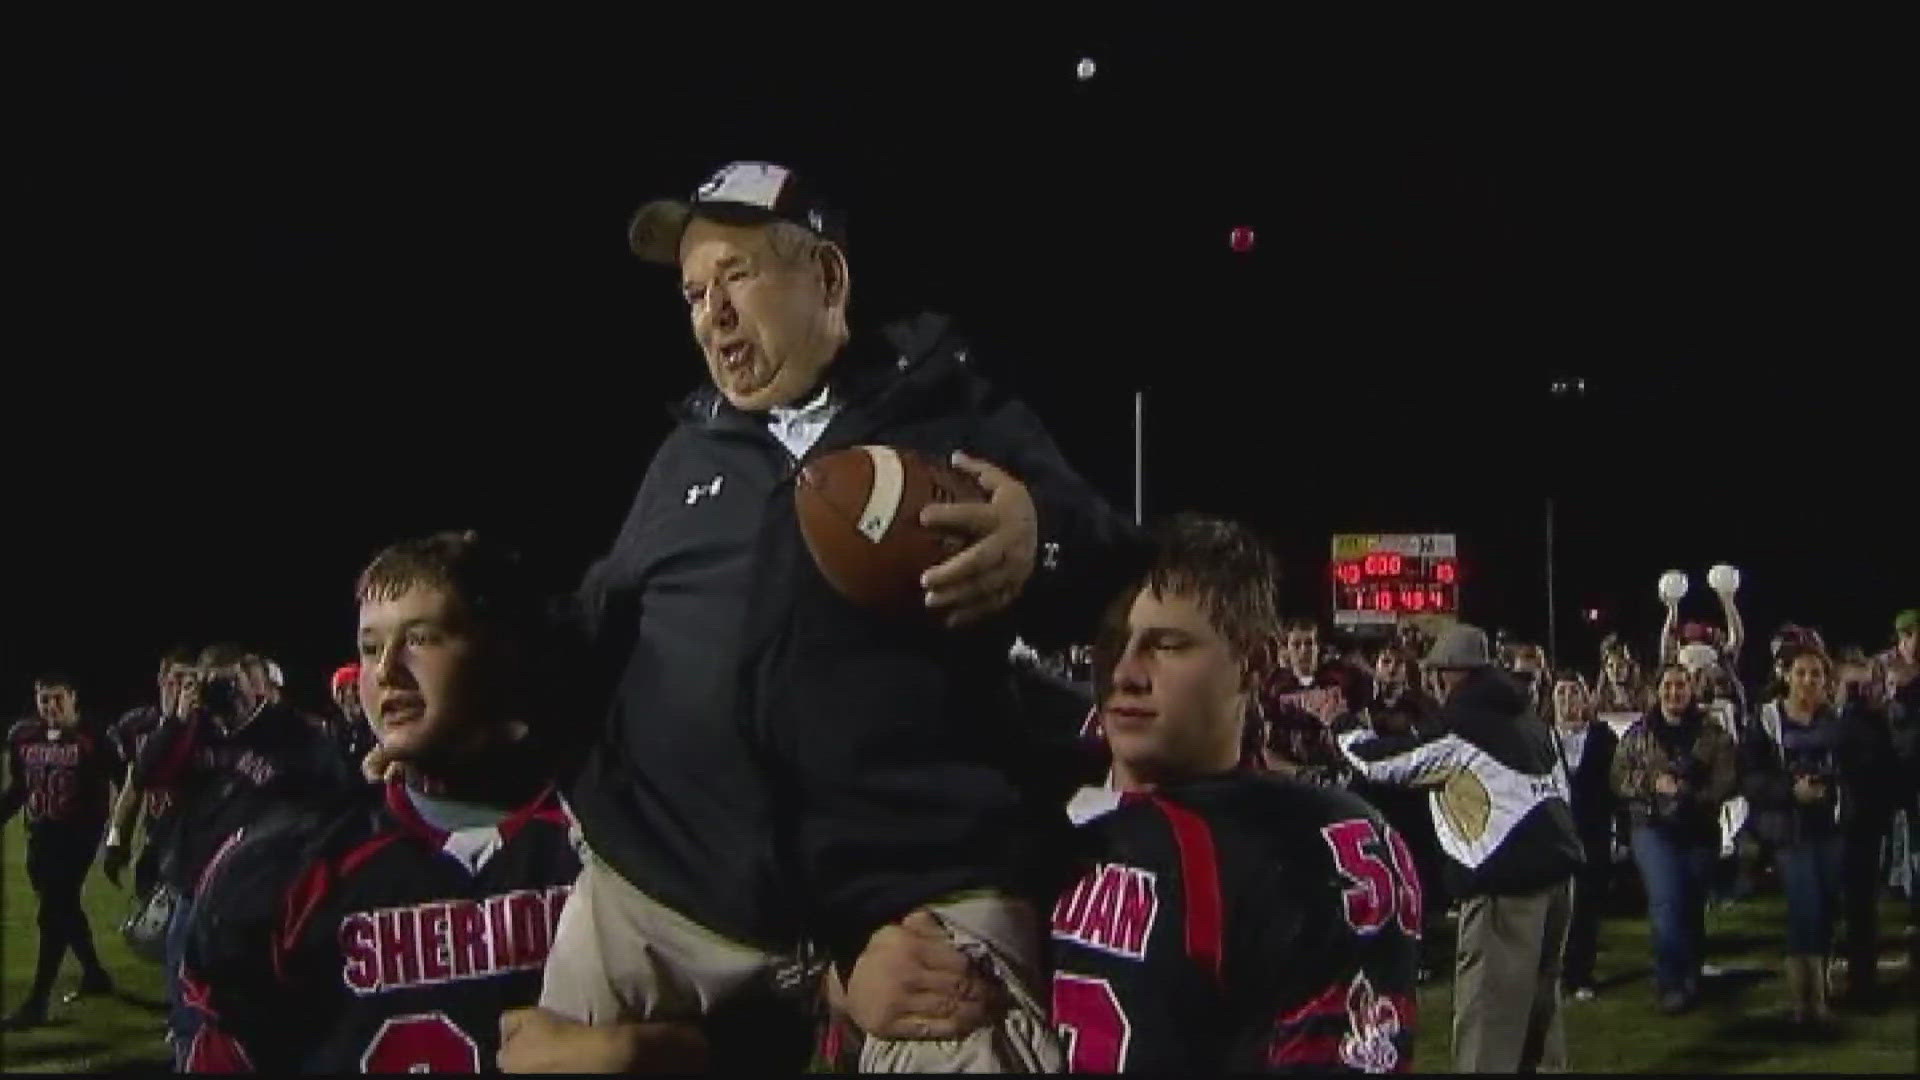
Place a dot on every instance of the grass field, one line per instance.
(1736, 1029)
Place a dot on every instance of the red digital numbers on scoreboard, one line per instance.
(1443, 572)
(1348, 573)
(1384, 565)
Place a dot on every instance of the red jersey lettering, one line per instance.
(1111, 909)
(362, 969)
(435, 965)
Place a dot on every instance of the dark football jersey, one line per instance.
(1243, 923)
(129, 734)
(371, 941)
(61, 777)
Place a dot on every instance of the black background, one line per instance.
(285, 298)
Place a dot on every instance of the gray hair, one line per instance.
(790, 244)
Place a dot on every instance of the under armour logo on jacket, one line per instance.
(706, 490)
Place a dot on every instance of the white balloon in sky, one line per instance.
(1086, 69)
(1724, 578)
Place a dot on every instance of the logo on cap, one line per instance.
(751, 182)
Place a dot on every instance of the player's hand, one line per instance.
(912, 983)
(987, 577)
(1808, 790)
(1666, 785)
(113, 860)
(378, 767)
(540, 1041)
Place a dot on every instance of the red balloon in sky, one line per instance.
(1241, 239)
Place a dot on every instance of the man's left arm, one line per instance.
(1084, 551)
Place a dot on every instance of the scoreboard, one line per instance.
(1378, 578)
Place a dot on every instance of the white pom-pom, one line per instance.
(1724, 579)
(1673, 585)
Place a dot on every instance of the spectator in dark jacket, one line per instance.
(1870, 793)
(1588, 747)
(1674, 769)
(1795, 762)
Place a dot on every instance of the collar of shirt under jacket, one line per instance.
(800, 427)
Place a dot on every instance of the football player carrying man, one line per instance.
(63, 775)
(1225, 919)
(388, 934)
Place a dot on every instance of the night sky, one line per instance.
(283, 304)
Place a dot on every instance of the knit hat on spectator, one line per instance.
(1907, 621)
(345, 676)
(1460, 646)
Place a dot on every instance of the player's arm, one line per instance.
(128, 810)
(1427, 763)
(16, 794)
(234, 974)
(165, 758)
(122, 825)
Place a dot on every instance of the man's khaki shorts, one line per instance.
(620, 955)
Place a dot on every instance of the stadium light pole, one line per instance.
(1139, 453)
(1553, 636)
(1567, 391)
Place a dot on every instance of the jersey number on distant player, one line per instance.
(49, 791)
(421, 1042)
(1088, 1015)
(1378, 892)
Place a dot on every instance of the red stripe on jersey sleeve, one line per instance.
(1200, 873)
(1331, 1002)
(302, 899)
(220, 853)
(195, 994)
(215, 1051)
(351, 862)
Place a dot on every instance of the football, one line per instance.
(859, 511)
